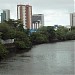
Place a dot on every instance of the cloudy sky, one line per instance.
(55, 11)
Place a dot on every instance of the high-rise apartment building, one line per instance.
(24, 13)
(72, 19)
(37, 21)
(5, 15)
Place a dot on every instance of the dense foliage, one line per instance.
(61, 33)
(48, 31)
(13, 29)
(24, 39)
(6, 31)
(38, 38)
(3, 51)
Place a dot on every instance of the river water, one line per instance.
(45, 59)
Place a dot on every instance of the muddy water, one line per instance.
(46, 59)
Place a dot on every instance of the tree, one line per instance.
(72, 27)
(3, 51)
(0, 34)
(15, 24)
(61, 33)
(6, 31)
(70, 35)
(51, 33)
(22, 41)
(48, 31)
(38, 38)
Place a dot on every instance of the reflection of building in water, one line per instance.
(37, 21)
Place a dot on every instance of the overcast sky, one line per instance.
(55, 11)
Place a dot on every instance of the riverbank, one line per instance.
(43, 59)
(12, 50)
(24, 40)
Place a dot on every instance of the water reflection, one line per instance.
(45, 59)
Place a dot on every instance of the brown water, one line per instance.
(46, 59)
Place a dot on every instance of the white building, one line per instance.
(8, 41)
(72, 19)
(37, 21)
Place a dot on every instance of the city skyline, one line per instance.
(55, 12)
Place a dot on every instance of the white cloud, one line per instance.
(56, 18)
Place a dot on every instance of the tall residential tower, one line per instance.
(24, 13)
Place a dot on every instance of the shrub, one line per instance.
(70, 35)
(23, 44)
(3, 52)
(22, 41)
(38, 38)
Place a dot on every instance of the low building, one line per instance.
(37, 21)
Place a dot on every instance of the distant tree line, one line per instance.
(24, 40)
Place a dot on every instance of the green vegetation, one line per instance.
(3, 51)
(64, 34)
(13, 29)
(6, 31)
(48, 31)
(22, 41)
(70, 35)
(38, 38)
(61, 33)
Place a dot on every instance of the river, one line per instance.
(45, 59)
